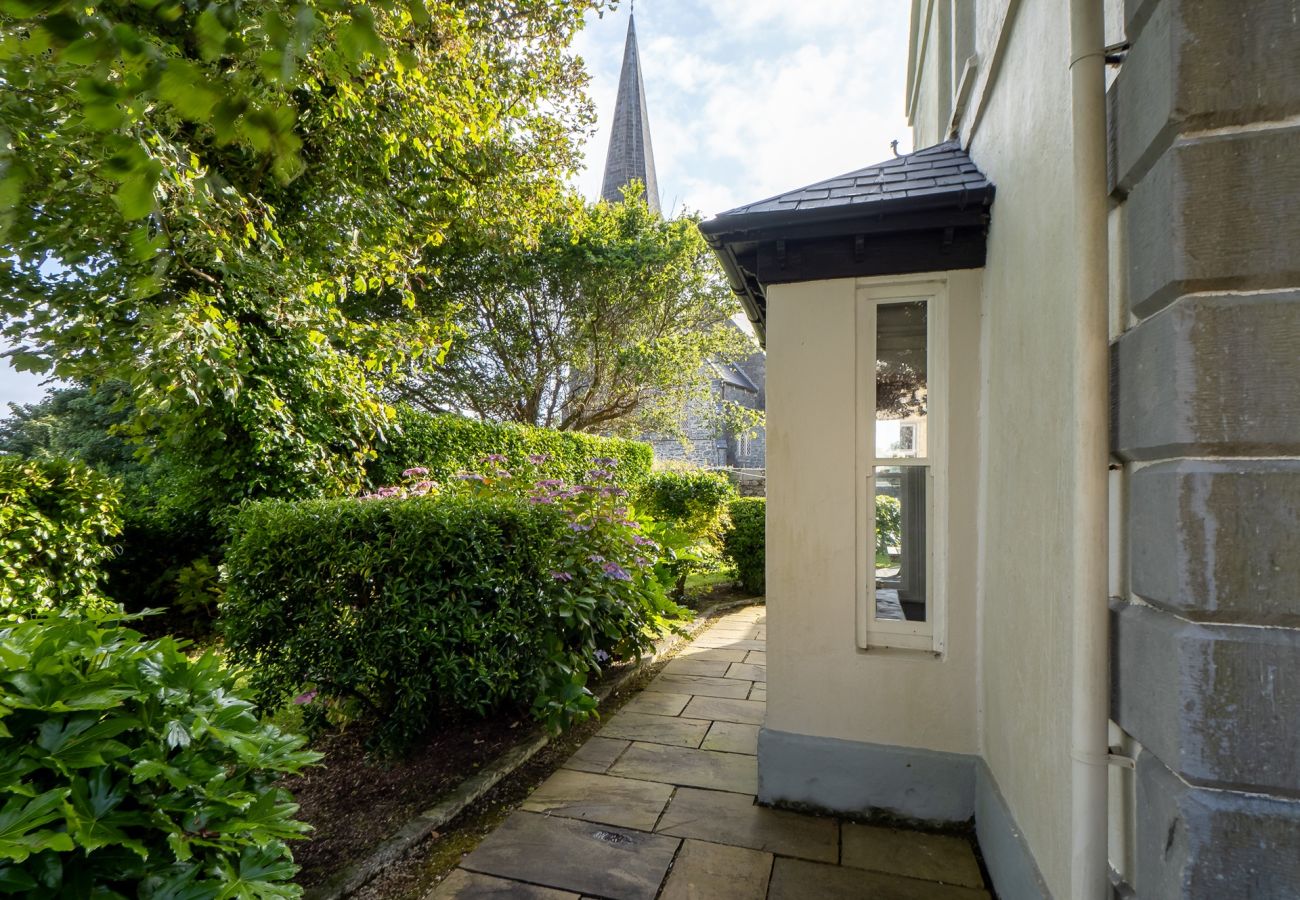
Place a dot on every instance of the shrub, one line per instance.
(426, 602)
(129, 769)
(692, 499)
(889, 524)
(745, 542)
(57, 519)
(448, 444)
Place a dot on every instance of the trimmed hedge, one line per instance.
(693, 500)
(132, 769)
(449, 444)
(409, 610)
(745, 542)
(57, 521)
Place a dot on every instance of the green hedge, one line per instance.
(745, 542)
(411, 610)
(448, 444)
(57, 522)
(693, 500)
(131, 769)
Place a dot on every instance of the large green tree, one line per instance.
(212, 201)
(607, 322)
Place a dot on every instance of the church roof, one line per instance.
(926, 211)
(630, 153)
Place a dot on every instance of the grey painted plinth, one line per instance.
(1006, 855)
(864, 779)
(1194, 842)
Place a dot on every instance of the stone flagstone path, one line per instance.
(661, 804)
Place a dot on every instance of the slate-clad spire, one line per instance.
(630, 154)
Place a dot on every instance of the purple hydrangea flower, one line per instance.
(562, 576)
(617, 572)
(578, 526)
(605, 462)
(550, 483)
(502, 473)
(538, 458)
(303, 699)
(642, 541)
(596, 558)
(469, 476)
(416, 470)
(495, 458)
(541, 498)
(602, 657)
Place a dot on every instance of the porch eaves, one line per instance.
(925, 211)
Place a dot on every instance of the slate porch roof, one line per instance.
(942, 169)
(921, 212)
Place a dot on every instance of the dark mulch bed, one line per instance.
(354, 800)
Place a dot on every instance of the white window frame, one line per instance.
(928, 636)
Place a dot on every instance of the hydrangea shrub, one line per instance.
(432, 599)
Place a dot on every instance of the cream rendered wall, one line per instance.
(933, 74)
(819, 682)
(1022, 143)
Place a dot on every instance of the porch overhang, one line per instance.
(926, 211)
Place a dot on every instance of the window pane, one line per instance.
(900, 545)
(901, 384)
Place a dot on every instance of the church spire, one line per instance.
(630, 154)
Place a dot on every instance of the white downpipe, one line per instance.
(1090, 659)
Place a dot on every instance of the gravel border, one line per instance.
(352, 878)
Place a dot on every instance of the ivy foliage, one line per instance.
(58, 520)
(745, 542)
(130, 769)
(447, 445)
(230, 206)
(608, 322)
(428, 603)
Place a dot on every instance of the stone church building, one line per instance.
(631, 158)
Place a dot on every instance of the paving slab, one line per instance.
(797, 879)
(726, 643)
(624, 802)
(463, 885)
(596, 755)
(706, 871)
(732, 737)
(618, 863)
(687, 665)
(700, 686)
(737, 820)
(756, 657)
(733, 632)
(934, 857)
(657, 703)
(747, 672)
(673, 730)
(712, 653)
(684, 766)
(747, 712)
(759, 692)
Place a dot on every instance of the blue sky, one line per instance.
(746, 98)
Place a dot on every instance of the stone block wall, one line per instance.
(1205, 158)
